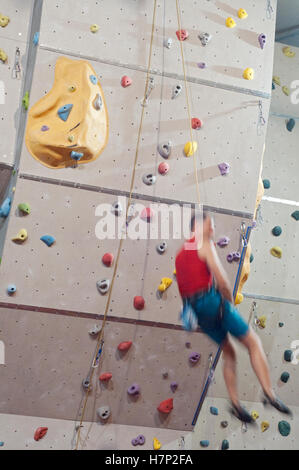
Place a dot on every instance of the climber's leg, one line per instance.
(230, 370)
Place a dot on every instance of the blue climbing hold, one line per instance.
(284, 428)
(225, 445)
(273, 86)
(36, 38)
(76, 155)
(276, 231)
(1, 443)
(291, 124)
(295, 215)
(11, 289)
(251, 258)
(288, 354)
(205, 443)
(48, 239)
(5, 208)
(93, 79)
(285, 377)
(64, 111)
(280, 324)
(266, 184)
(214, 410)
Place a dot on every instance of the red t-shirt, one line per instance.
(192, 273)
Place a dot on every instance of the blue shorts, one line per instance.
(206, 308)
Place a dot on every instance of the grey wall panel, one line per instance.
(125, 30)
(230, 123)
(64, 276)
(19, 13)
(53, 357)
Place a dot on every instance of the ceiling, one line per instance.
(287, 22)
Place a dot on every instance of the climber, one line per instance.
(198, 269)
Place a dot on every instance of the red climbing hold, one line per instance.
(166, 406)
(139, 302)
(124, 346)
(147, 214)
(163, 168)
(39, 433)
(126, 81)
(196, 123)
(182, 34)
(105, 377)
(108, 259)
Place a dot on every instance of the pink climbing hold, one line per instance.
(40, 433)
(124, 346)
(139, 302)
(147, 214)
(105, 377)
(108, 259)
(166, 406)
(196, 123)
(126, 81)
(182, 34)
(163, 168)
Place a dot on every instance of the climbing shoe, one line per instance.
(242, 414)
(277, 403)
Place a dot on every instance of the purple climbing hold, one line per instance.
(236, 255)
(230, 257)
(45, 128)
(194, 357)
(224, 168)
(135, 442)
(202, 65)
(262, 40)
(223, 241)
(139, 440)
(134, 390)
(174, 386)
(188, 344)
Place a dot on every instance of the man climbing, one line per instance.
(198, 267)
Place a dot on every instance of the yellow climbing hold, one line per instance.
(4, 20)
(239, 298)
(261, 321)
(3, 55)
(21, 236)
(174, 272)
(286, 90)
(157, 444)
(242, 13)
(264, 426)
(288, 52)
(230, 23)
(165, 283)
(276, 251)
(72, 88)
(254, 415)
(94, 28)
(190, 148)
(71, 138)
(276, 80)
(248, 74)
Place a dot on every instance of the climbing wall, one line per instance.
(57, 284)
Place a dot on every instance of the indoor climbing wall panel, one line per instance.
(66, 27)
(19, 13)
(230, 133)
(48, 277)
(55, 349)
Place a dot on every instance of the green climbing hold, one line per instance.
(290, 124)
(276, 231)
(204, 443)
(284, 428)
(280, 324)
(285, 377)
(225, 445)
(295, 215)
(266, 184)
(288, 354)
(251, 258)
(24, 207)
(25, 100)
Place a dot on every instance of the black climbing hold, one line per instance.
(225, 445)
(224, 424)
(295, 215)
(290, 124)
(288, 354)
(266, 184)
(285, 377)
(280, 324)
(284, 428)
(276, 231)
(251, 258)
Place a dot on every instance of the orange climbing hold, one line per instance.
(124, 346)
(196, 123)
(182, 34)
(166, 406)
(139, 302)
(105, 377)
(108, 259)
(40, 433)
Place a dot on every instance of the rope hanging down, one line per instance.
(101, 334)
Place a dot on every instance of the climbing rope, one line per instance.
(101, 333)
(187, 102)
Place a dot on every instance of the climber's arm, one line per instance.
(210, 254)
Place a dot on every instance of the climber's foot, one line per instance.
(241, 413)
(277, 403)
